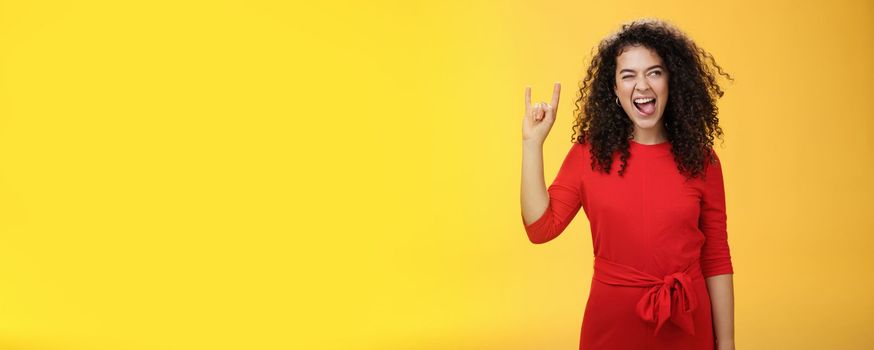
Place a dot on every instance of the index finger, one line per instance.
(556, 92)
(527, 98)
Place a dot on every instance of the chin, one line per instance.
(647, 123)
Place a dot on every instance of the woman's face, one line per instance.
(641, 76)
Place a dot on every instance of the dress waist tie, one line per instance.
(670, 297)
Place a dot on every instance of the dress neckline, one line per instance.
(656, 147)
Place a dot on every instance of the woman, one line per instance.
(662, 269)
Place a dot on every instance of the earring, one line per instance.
(617, 102)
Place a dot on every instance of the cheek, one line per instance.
(624, 89)
(661, 89)
(663, 86)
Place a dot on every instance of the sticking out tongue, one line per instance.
(646, 108)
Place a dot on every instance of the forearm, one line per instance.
(721, 290)
(535, 198)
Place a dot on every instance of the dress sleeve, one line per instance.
(715, 254)
(564, 199)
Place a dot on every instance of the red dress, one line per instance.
(655, 235)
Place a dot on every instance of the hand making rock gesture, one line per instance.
(539, 117)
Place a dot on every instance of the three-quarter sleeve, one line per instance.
(715, 254)
(565, 195)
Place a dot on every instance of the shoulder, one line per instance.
(576, 157)
(712, 159)
(579, 152)
(712, 166)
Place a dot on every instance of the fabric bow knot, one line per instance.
(673, 299)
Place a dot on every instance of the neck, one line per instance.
(650, 136)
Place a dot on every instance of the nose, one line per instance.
(642, 85)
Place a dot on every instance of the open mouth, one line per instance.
(644, 106)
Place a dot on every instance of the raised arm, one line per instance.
(561, 202)
(546, 212)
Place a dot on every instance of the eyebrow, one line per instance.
(632, 71)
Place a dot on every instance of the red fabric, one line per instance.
(648, 229)
(666, 298)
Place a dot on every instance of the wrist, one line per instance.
(532, 144)
(725, 344)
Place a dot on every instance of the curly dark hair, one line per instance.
(690, 115)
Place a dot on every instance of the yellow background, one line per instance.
(345, 175)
